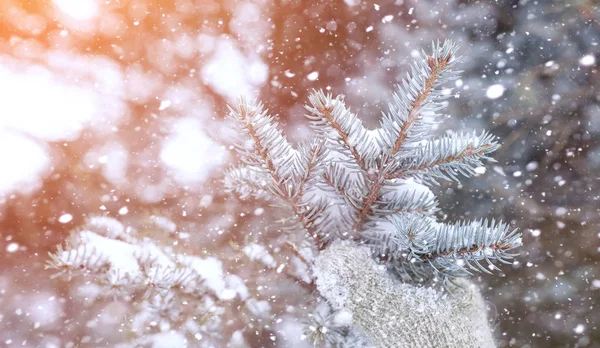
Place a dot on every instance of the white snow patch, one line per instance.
(24, 167)
(495, 91)
(164, 104)
(247, 12)
(260, 309)
(232, 74)
(587, 60)
(42, 105)
(108, 226)
(236, 284)
(313, 76)
(117, 160)
(531, 166)
(78, 9)
(119, 254)
(211, 270)
(290, 333)
(343, 318)
(257, 252)
(168, 339)
(352, 2)
(189, 153)
(65, 218)
(42, 308)
(164, 223)
(12, 247)
(37, 103)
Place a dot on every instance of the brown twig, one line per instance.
(343, 136)
(339, 189)
(296, 253)
(367, 205)
(462, 251)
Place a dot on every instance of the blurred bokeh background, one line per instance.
(117, 107)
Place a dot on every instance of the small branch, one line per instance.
(367, 205)
(413, 113)
(310, 287)
(262, 151)
(344, 136)
(463, 251)
(413, 116)
(296, 253)
(469, 151)
(315, 153)
(292, 202)
(339, 189)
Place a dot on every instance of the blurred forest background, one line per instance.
(116, 107)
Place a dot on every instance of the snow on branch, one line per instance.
(459, 249)
(329, 117)
(419, 97)
(373, 185)
(246, 182)
(135, 264)
(166, 287)
(448, 157)
(265, 148)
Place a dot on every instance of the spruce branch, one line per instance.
(247, 182)
(401, 235)
(416, 98)
(307, 165)
(366, 206)
(448, 156)
(405, 201)
(458, 249)
(72, 260)
(330, 117)
(369, 185)
(419, 97)
(347, 185)
(267, 149)
(271, 152)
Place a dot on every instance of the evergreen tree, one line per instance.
(347, 182)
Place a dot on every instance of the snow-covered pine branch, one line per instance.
(419, 98)
(167, 288)
(459, 249)
(264, 148)
(448, 157)
(267, 154)
(246, 182)
(454, 250)
(372, 185)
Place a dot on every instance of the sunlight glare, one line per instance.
(78, 9)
